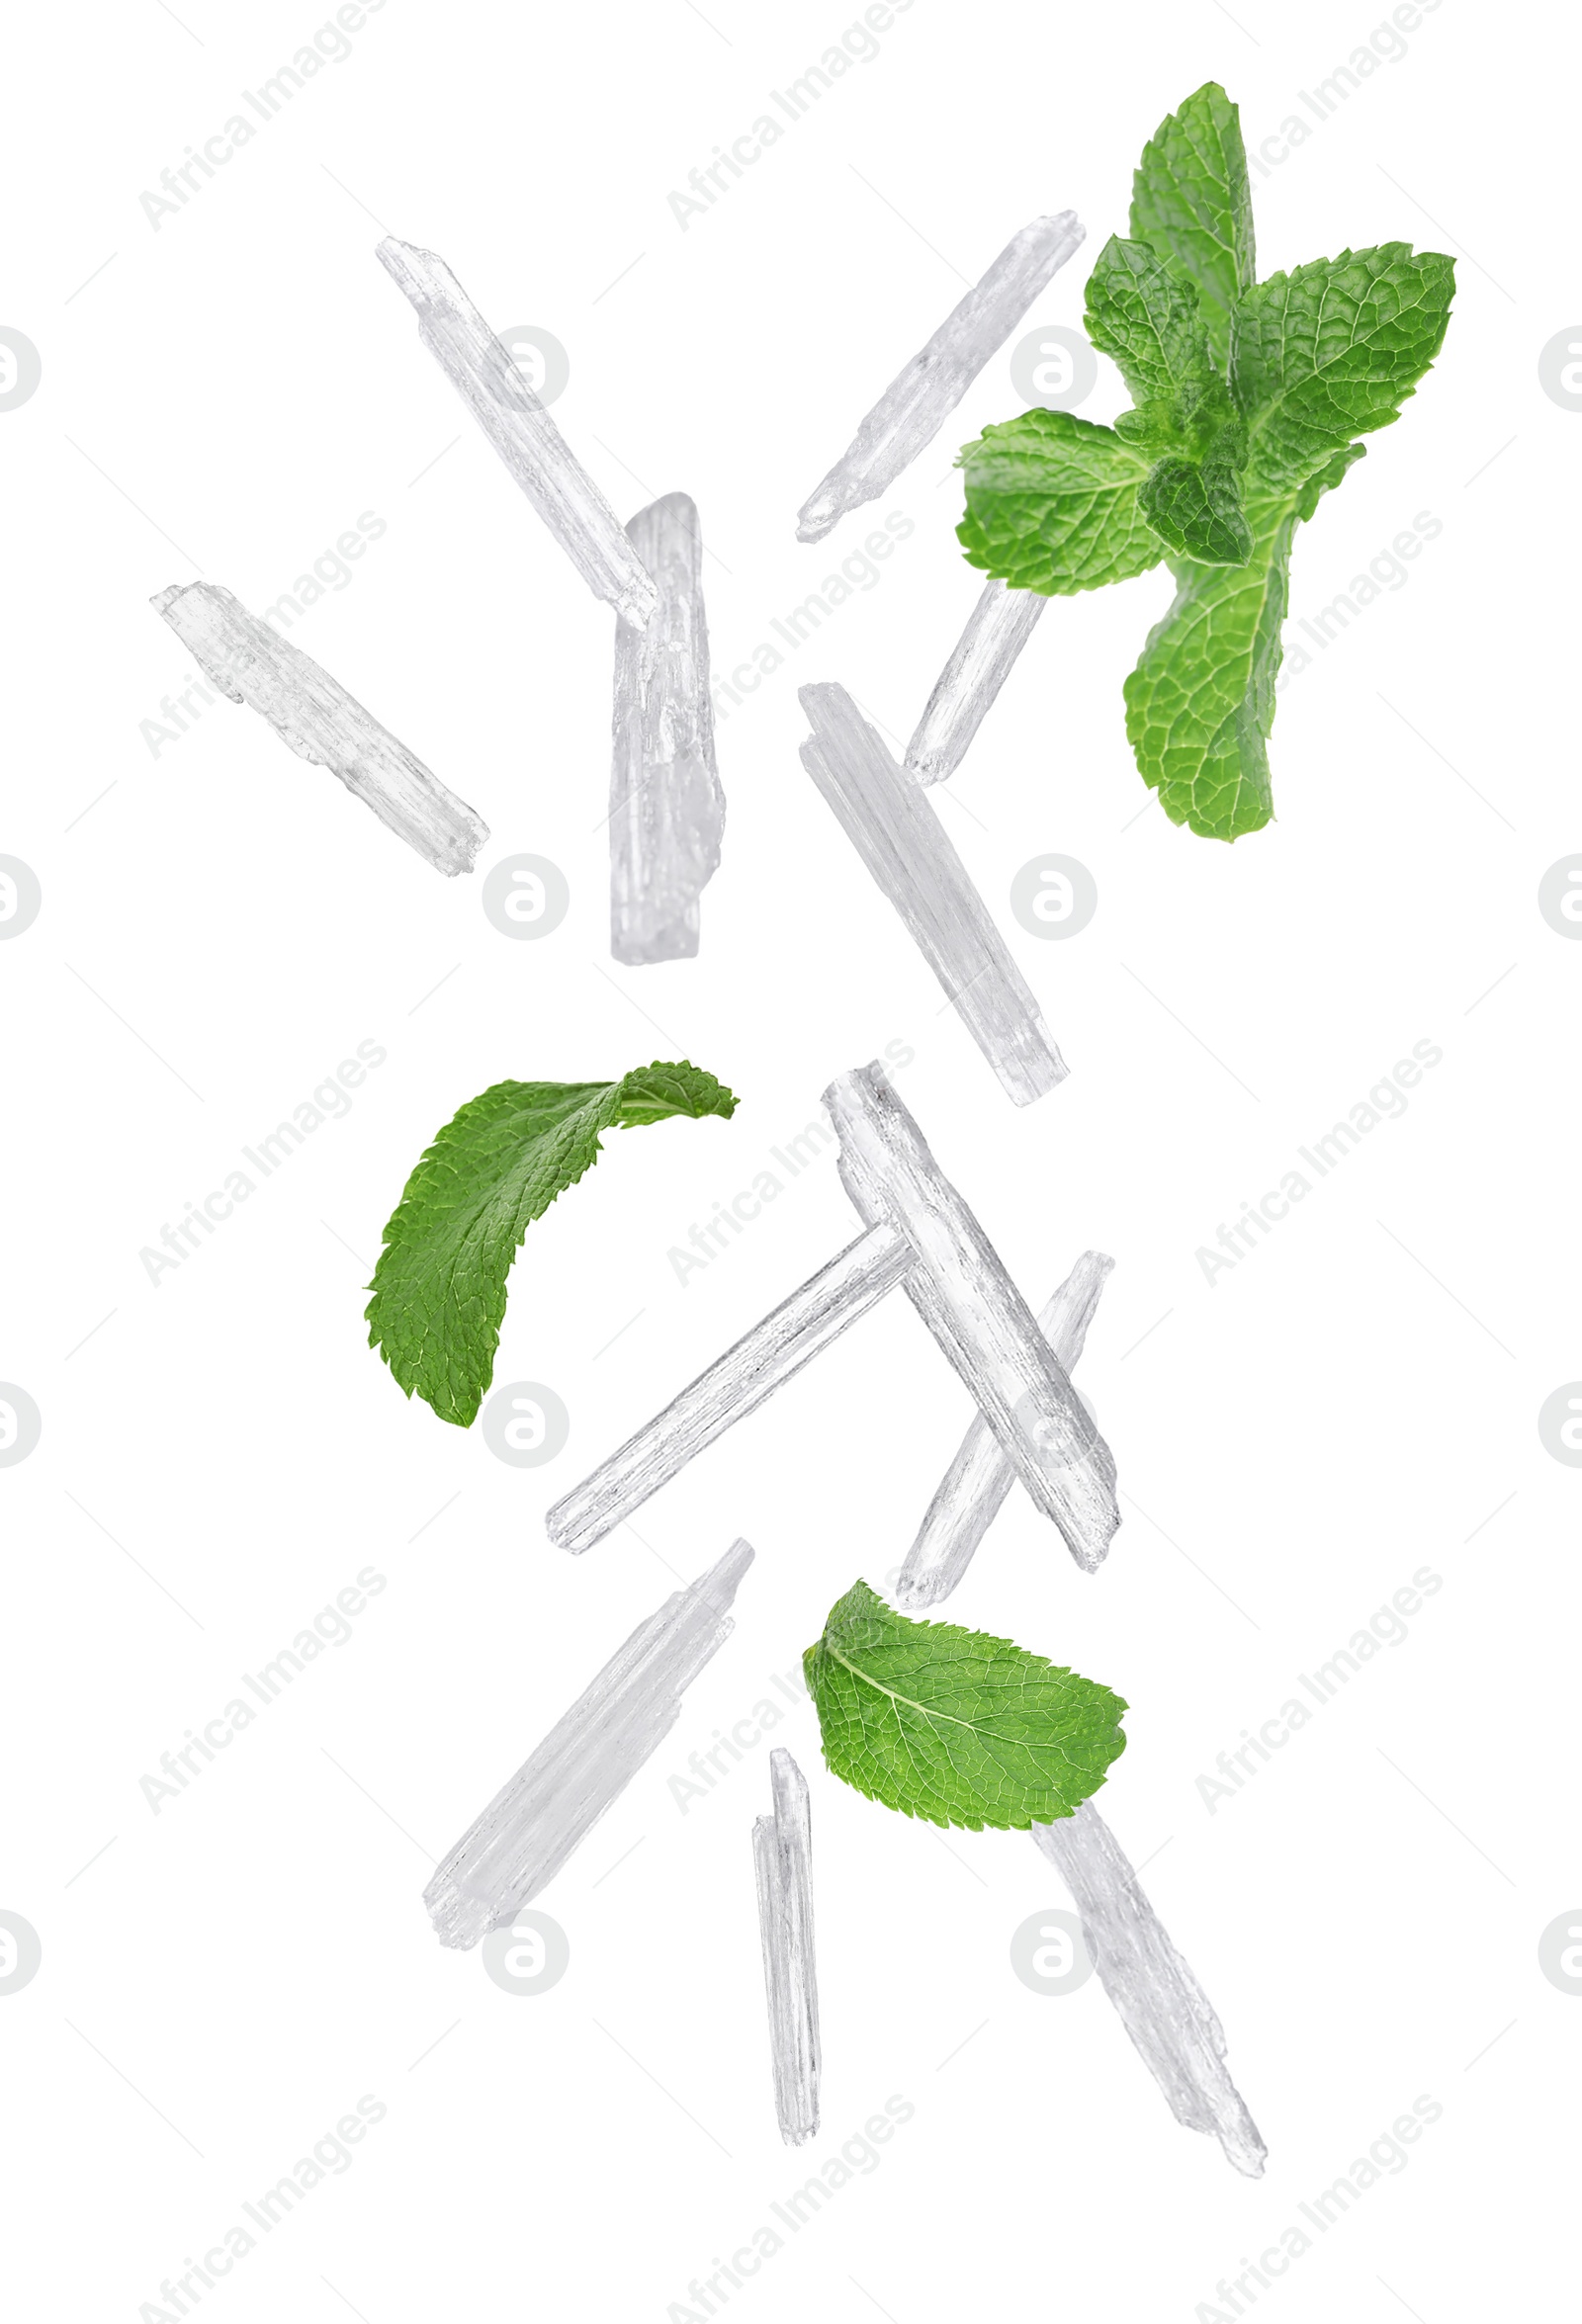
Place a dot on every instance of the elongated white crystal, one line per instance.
(920, 398)
(977, 1315)
(782, 1855)
(315, 716)
(585, 1762)
(889, 821)
(1158, 1999)
(666, 808)
(998, 628)
(979, 1478)
(759, 1363)
(521, 431)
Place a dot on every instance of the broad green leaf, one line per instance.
(1147, 317)
(1200, 703)
(1052, 505)
(1197, 510)
(1191, 201)
(953, 1724)
(1333, 350)
(439, 1288)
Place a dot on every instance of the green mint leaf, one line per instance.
(1191, 201)
(1147, 317)
(439, 1288)
(953, 1724)
(1052, 505)
(1200, 703)
(1197, 510)
(1332, 351)
(1153, 426)
(1328, 476)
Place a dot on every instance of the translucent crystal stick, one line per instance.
(314, 716)
(521, 431)
(585, 1762)
(782, 1854)
(998, 628)
(1158, 2001)
(917, 403)
(979, 1478)
(898, 836)
(666, 808)
(975, 1312)
(736, 1385)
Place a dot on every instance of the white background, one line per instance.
(221, 925)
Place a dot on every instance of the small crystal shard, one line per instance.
(666, 808)
(898, 836)
(979, 1478)
(1158, 2001)
(585, 1762)
(782, 1854)
(521, 431)
(979, 1318)
(917, 403)
(743, 1377)
(998, 628)
(315, 716)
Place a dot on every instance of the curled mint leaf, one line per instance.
(955, 1726)
(439, 1288)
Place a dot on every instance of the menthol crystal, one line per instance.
(962, 1291)
(884, 814)
(920, 398)
(1156, 1995)
(782, 1855)
(315, 716)
(978, 1479)
(666, 808)
(999, 625)
(585, 1762)
(519, 428)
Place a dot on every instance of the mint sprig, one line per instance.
(952, 1725)
(439, 1287)
(1247, 400)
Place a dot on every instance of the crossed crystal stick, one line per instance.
(919, 1233)
(666, 808)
